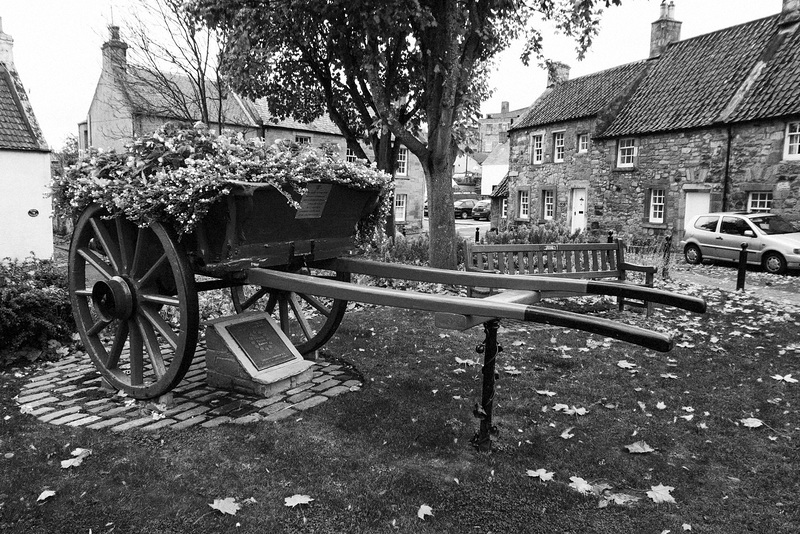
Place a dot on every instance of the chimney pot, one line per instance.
(557, 73)
(790, 13)
(504, 107)
(665, 30)
(663, 13)
(6, 47)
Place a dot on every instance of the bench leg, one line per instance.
(482, 440)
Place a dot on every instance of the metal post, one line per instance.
(610, 236)
(477, 235)
(667, 255)
(482, 440)
(742, 267)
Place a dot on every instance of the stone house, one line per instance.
(704, 124)
(25, 210)
(128, 102)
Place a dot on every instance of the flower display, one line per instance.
(174, 175)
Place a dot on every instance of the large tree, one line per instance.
(399, 69)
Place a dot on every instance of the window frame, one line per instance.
(504, 208)
(559, 147)
(537, 139)
(527, 204)
(634, 152)
(766, 201)
(545, 195)
(583, 143)
(401, 201)
(792, 141)
(350, 155)
(402, 162)
(303, 139)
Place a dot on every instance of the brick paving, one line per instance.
(70, 392)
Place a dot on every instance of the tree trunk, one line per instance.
(442, 225)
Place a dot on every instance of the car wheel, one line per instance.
(464, 215)
(693, 255)
(774, 263)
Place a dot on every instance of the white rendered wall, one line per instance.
(24, 179)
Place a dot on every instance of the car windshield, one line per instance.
(772, 224)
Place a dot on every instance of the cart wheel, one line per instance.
(309, 321)
(132, 288)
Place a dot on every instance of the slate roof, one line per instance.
(580, 97)
(695, 80)
(502, 188)
(498, 156)
(322, 124)
(18, 127)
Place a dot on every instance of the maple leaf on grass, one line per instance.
(640, 447)
(543, 474)
(226, 506)
(661, 493)
(625, 364)
(580, 485)
(752, 422)
(46, 494)
(79, 455)
(294, 500)
(424, 510)
(566, 434)
(786, 378)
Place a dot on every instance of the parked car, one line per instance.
(772, 242)
(482, 210)
(425, 209)
(463, 208)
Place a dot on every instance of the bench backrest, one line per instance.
(568, 260)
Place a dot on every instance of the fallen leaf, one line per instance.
(580, 485)
(687, 417)
(226, 506)
(518, 343)
(559, 407)
(786, 378)
(46, 494)
(545, 392)
(669, 375)
(542, 474)
(661, 493)
(640, 447)
(423, 511)
(566, 434)
(686, 526)
(79, 455)
(624, 364)
(294, 500)
(661, 406)
(752, 422)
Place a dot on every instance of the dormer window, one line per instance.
(792, 147)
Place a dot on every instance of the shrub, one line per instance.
(549, 232)
(35, 308)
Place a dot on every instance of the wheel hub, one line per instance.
(113, 298)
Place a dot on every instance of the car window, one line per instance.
(707, 223)
(773, 225)
(734, 226)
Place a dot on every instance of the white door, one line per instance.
(578, 220)
(697, 202)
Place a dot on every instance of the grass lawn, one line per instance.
(568, 403)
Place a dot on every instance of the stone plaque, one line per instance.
(260, 343)
(313, 202)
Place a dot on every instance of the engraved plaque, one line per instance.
(313, 202)
(260, 343)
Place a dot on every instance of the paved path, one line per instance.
(69, 392)
(782, 296)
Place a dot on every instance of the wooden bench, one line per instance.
(564, 260)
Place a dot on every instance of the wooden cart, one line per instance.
(136, 288)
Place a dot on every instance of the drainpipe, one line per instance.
(726, 177)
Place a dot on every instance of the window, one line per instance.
(302, 139)
(548, 204)
(402, 162)
(759, 201)
(734, 226)
(656, 206)
(537, 149)
(583, 143)
(350, 156)
(400, 202)
(504, 208)
(558, 147)
(707, 223)
(524, 204)
(626, 152)
(792, 149)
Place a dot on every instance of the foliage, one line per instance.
(392, 68)
(177, 173)
(35, 308)
(549, 232)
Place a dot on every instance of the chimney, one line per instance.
(114, 51)
(790, 12)
(504, 107)
(6, 47)
(557, 73)
(665, 30)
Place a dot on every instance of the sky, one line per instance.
(57, 50)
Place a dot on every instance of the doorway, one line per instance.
(697, 202)
(578, 219)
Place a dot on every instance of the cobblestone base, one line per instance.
(70, 392)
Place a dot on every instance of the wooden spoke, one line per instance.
(317, 304)
(107, 242)
(283, 312)
(271, 302)
(144, 280)
(254, 298)
(97, 327)
(125, 239)
(119, 343)
(294, 303)
(160, 299)
(136, 355)
(161, 325)
(153, 347)
(138, 252)
(95, 261)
